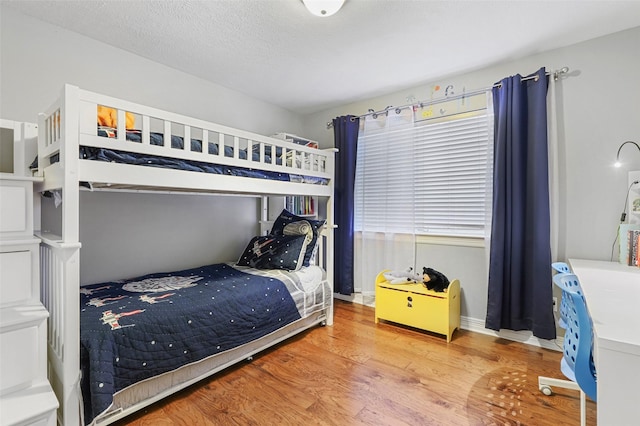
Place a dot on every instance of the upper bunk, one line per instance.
(146, 149)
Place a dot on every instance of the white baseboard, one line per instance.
(367, 300)
(473, 324)
(477, 326)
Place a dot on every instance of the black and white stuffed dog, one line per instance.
(434, 280)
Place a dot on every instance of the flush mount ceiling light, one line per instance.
(323, 8)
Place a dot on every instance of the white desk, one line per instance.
(612, 293)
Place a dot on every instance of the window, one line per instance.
(429, 176)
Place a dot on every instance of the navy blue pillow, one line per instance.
(286, 217)
(275, 252)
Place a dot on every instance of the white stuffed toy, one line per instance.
(402, 277)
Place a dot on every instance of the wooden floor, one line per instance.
(361, 373)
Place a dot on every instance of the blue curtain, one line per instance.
(520, 292)
(345, 132)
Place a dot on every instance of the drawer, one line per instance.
(16, 208)
(33, 406)
(15, 277)
(48, 419)
(19, 279)
(23, 351)
(422, 311)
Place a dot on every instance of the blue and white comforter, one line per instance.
(135, 329)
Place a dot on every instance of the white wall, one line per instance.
(597, 104)
(598, 110)
(38, 58)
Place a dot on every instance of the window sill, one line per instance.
(446, 240)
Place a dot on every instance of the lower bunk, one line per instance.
(144, 338)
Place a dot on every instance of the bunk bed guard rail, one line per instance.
(71, 123)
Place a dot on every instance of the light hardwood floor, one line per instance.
(361, 373)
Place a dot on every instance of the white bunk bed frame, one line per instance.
(70, 123)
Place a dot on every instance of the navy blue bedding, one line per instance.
(135, 329)
(102, 154)
(177, 142)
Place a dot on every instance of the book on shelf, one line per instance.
(301, 205)
(637, 250)
(633, 247)
(623, 239)
(628, 249)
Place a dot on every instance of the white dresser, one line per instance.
(26, 397)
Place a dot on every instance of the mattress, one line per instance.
(133, 330)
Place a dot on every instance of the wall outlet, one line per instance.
(555, 304)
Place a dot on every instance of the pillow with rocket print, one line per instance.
(286, 217)
(275, 252)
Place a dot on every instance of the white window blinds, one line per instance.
(451, 187)
(385, 175)
(427, 177)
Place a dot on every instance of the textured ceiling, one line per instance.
(274, 50)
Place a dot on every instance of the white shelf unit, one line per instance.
(26, 397)
(295, 204)
(296, 139)
(300, 205)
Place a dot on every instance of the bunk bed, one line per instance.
(168, 153)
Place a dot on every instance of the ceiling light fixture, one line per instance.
(618, 164)
(323, 8)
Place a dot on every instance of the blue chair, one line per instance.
(577, 359)
(562, 268)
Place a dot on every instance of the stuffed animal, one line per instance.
(109, 117)
(434, 280)
(402, 277)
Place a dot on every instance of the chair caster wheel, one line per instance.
(249, 358)
(546, 390)
(323, 323)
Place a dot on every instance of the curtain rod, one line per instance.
(556, 75)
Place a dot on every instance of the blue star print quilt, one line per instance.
(135, 329)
